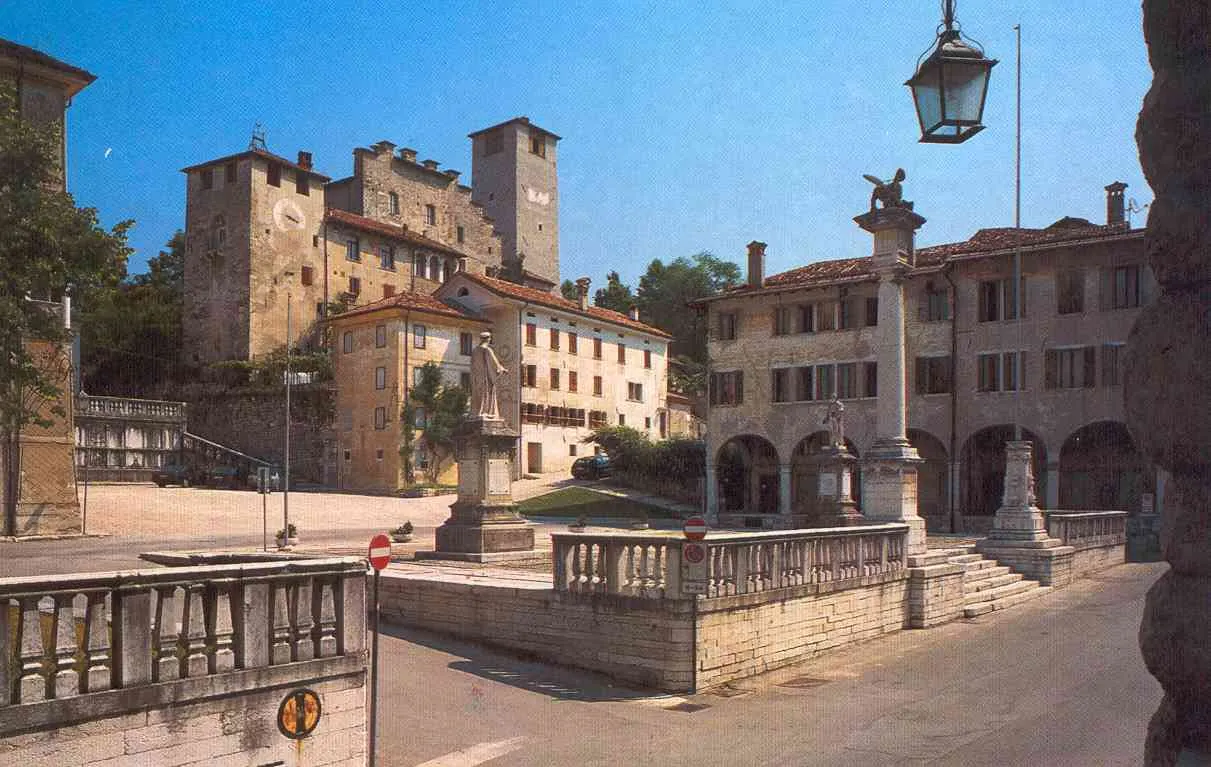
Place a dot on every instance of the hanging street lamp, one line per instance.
(950, 85)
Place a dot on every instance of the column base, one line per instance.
(892, 449)
(1018, 524)
(839, 514)
(889, 490)
(475, 528)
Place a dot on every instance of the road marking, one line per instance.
(477, 754)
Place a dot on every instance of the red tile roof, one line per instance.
(387, 229)
(412, 301)
(522, 293)
(259, 153)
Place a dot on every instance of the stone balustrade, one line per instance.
(122, 407)
(1086, 529)
(76, 635)
(649, 565)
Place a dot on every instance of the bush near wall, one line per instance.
(672, 468)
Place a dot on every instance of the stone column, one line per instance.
(889, 472)
(784, 490)
(1053, 486)
(710, 493)
(1167, 385)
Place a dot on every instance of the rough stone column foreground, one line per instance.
(1168, 381)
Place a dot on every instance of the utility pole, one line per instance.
(286, 487)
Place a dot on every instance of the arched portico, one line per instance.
(746, 472)
(1100, 469)
(983, 472)
(933, 479)
(805, 476)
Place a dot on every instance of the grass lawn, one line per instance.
(574, 501)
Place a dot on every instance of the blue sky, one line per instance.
(687, 126)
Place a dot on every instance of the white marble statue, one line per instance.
(485, 370)
(834, 421)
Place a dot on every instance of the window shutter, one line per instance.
(1147, 285)
(1089, 375)
(739, 386)
(1106, 289)
(713, 388)
(1021, 371)
(922, 375)
(1052, 369)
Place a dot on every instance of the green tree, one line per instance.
(666, 290)
(46, 245)
(614, 295)
(568, 290)
(437, 410)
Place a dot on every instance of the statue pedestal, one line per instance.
(484, 525)
(834, 490)
(889, 489)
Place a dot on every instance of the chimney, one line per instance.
(430, 164)
(582, 292)
(756, 264)
(633, 312)
(304, 160)
(383, 146)
(407, 155)
(1115, 214)
(453, 174)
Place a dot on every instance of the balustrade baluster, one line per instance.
(6, 652)
(96, 642)
(325, 631)
(304, 648)
(742, 565)
(574, 581)
(168, 624)
(659, 581)
(561, 564)
(281, 622)
(616, 581)
(647, 574)
(32, 683)
(193, 625)
(219, 628)
(67, 679)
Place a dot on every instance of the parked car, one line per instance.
(591, 467)
(226, 476)
(174, 474)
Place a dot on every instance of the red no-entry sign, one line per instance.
(694, 528)
(380, 551)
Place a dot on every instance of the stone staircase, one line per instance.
(988, 586)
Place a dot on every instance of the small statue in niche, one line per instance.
(890, 193)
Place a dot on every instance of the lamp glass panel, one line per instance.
(964, 86)
(928, 97)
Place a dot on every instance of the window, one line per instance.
(597, 419)
(416, 376)
(647, 358)
(937, 305)
(529, 376)
(847, 380)
(1072, 368)
(573, 383)
(301, 184)
(319, 310)
(572, 342)
(554, 378)
(596, 386)
(1111, 372)
(531, 334)
(464, 381)
(380, 378)
(934, 375)
(1070, 291)
(825, 382)
(554, 339)
(622, 419)
(393, 203)
(273, 174)
(462, 234)
(780, 384)
(219, 235)
(572, 450)
(826, 316)
(380, 336)
(634, 391)
(380, 417)
(347, 341)
(207, 179)
(538, 146)
(1001, 371)
(845, 311)
(870, 372)
(872, 311)
(622, 353)
(997, 300)
(465, 344)
(647, 422)
(229, 173)
(782, 321)
(494, 142)
(386, 257)
(1126, 287)
(596, 348)
(378, 454)
(725, 328)
(727, 388)
(355, 286)
(422, 457)
(348, 455)
(419, 418)
(431, 215)
(388, 290)
(419, 334)
(804, 386)
(353, 251)
(418, 265)
(307, 276)
(807, 318)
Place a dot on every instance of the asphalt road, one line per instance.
(1055, 681)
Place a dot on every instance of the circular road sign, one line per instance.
(694, 528)
(299, 713)
(694, 553)
(380, 551)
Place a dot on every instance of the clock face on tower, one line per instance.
(288, 216)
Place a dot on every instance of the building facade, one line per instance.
(783, 347)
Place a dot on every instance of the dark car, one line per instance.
(174, 474)
(226, 476)
(591, 467)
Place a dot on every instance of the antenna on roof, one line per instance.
(1135, 207)
(258, 138)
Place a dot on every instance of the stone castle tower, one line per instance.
(514, 177)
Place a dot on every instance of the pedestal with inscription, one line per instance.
(834, 492)
(484, 525)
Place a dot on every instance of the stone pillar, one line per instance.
(955, 500)
(1167, 385)
(889, 472)
(784, 489)
(1052, 501)
(711, 493)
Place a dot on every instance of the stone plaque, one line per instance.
(828, 485)
(1147, 503)
(468, 478)
(846, 484)
(499, 480)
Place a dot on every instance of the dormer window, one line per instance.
(273, 174)
(538, 146)
(301, 184)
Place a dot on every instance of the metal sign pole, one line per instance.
(84, 511)
(374, 672)
(264, 521)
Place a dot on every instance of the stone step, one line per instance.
(1008, 590)
(978, 566)
(979, 608)
(984, 573)
(964, 559)
(987, 584)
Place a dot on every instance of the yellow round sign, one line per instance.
(299, 713)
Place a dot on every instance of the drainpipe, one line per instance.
(521, 344)
(954, 482)
(407, 381)
(324, 236)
